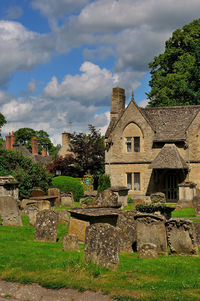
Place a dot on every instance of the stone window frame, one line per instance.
(133, 144)
(133, 181)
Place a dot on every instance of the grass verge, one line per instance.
(165, 278)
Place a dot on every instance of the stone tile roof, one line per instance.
(170, 123)
(36, 158)
(168, 158)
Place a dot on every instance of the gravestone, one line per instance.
(196, 205)
(102, 245)
(150, 228)
(78, 227)
(127, 224)
(46, 226)
(181, 237)
(37, 192)
(63, 216)
(31, 211)
(9, 211)
(9, 186)
(158, 197)
(197, 230)
(106, 198)
(148, 250)
(70, 243)
(55, 192)
(67, 199)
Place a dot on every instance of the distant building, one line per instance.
(11, 145)
(152, 149)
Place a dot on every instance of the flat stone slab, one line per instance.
(94, 211)
(35, 292)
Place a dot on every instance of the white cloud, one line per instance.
(21, 49)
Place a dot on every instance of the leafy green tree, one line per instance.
(175, 74)
(2, 121)
(24, 136)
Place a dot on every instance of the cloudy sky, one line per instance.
(60, 59)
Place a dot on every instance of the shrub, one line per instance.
(104, 182)
(25, 171)
(150, 208)
(69, 184)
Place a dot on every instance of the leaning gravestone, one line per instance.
(181, 237)
(46, 226)
(9, 211)
(70, 243)
(150, 228)
(102, 245)
(127, 224)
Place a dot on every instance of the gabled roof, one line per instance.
(36, 158)
(170, 123)
(168, 158)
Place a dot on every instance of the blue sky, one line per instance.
(60, 59)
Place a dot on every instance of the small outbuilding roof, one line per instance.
(168, 158)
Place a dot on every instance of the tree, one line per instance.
(24, 136)
(2, 121)
(89, 155)
(175, 74)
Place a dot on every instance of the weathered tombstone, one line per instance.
(78, 227)
(31, 211)
(106, 198)
(122, 194)
(197, 230)
(68, 199)
(181, 237)
(70, 243)
(150, 228)
(158, 197)
(9, 211)
(127, 224)
(196, 205)
(37, 192)
(102, 245)
(41, 204)
(63, 216)
(148, 250)
(55, 192)
(46, 226)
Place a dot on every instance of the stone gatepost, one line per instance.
(150, 229)
(46, 226)
(187, 191)
(102, 245)
(181, 237)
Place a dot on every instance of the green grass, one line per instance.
(165, 278)
(76, 204)
(185, 212)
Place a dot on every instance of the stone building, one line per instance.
(152, 149)
(66, 146)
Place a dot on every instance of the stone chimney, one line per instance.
(118, 103)
(34, 146)
(8, 141)
(12, 140)
(65, 148)
(44, 152)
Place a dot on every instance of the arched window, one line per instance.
(133, 138)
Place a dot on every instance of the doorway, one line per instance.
(171, 186)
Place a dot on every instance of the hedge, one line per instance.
(69, 184)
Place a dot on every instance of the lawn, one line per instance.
(25, 260)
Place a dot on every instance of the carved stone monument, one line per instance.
(181, 237)
(150, 228)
